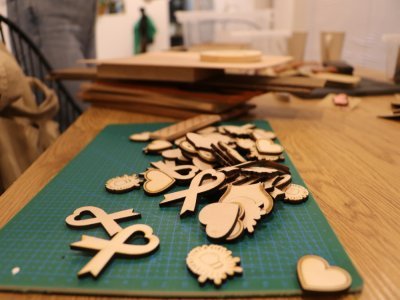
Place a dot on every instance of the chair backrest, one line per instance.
(34, 64)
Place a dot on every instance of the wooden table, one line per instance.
(348, 158)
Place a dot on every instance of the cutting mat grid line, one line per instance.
(37, 239)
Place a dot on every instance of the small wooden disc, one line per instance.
(295, 193)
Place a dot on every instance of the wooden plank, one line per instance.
(124, 94)
(75, 73)
(154, 110)
(336, 78)
(149, 100)
(188, 92)
(140, 72)
(188, 60)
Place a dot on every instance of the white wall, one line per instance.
(364, 21)
(114, 33)
(3, 7)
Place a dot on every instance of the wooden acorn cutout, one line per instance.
(213, 262)
(122, 184)
(108, 248)
(140, 137)
(266, 146)
(295, 193)
(157, 181)
(219, 219)
(197, 187)
(157, 146)
(181, 172)
(316, 275)
(100, 217)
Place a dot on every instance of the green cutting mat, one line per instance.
(37, 239)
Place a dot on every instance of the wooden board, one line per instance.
(174, 66)
(152, 72)
(188, 60)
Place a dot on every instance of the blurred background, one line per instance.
(261, 24)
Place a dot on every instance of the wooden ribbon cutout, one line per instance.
(108, 248)
(172, 171)
(100, 217)
(196, 187)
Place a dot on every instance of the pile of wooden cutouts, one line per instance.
(237, 170)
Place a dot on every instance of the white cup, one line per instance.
(392, 41)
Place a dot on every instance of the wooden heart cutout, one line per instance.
(259, 133)
(157, 145)
(219, 219)
(140, 137)
(316, 275)
(266, 146)
(251, 198)
(172, 154)
(181, 172)
(156, 181)
(99, 217)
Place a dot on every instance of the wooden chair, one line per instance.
(34, 64)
